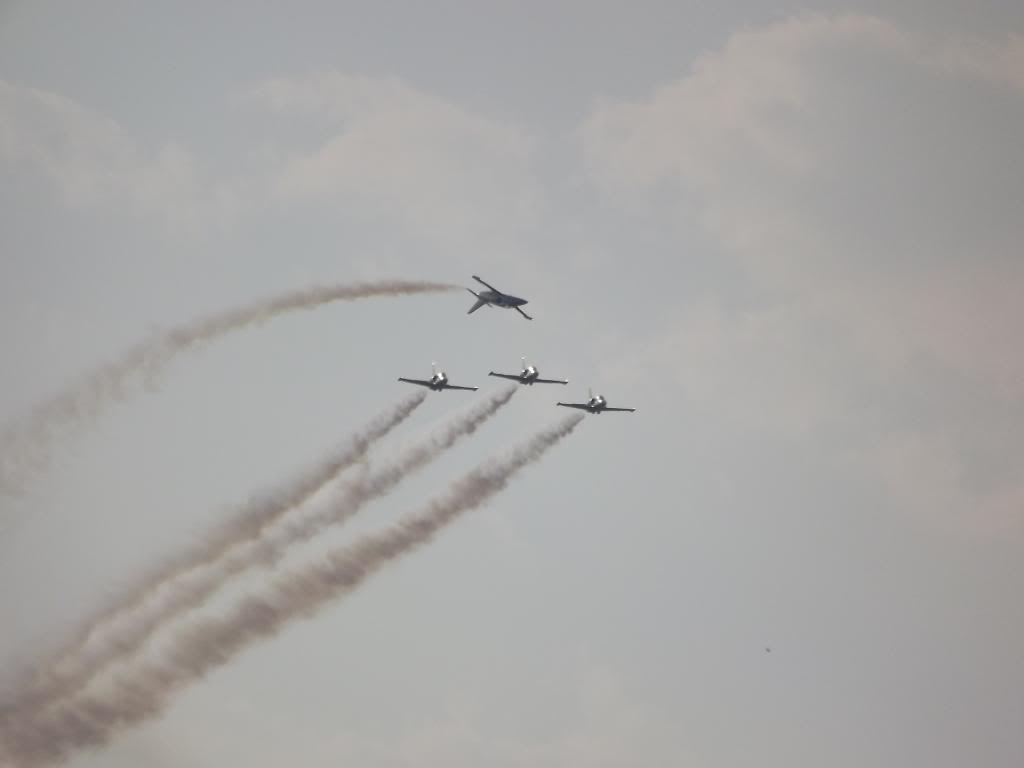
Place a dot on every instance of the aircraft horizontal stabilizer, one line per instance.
(479, 303)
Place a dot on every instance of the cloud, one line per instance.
(615, 727)
(866, 182)
(603, 725)
(818, 126)
(1001, 62)
(388, 151)
(94, 163)
(370, 148)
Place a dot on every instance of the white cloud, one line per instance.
(371, 148)
(1001, 62)
(93, 162)
(868, 183)
(605, 726)
(394, 153)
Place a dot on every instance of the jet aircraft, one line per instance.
(495, 298)
(529, 375)
(437, 382)
(596, 404)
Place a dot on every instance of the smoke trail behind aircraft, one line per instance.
(195, 578)
(26, 446)
(118, 631)
(141, 692)
(367, 487)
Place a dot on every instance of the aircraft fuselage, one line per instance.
(438, 382)
(501, 299)
(596, 404)
(528, 375)
(492, 297)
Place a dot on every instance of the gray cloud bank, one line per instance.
(865, 183)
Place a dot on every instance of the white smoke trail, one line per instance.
(119, 630)
(143, 691)
(26, 445)
(367, 487)
(123, 633)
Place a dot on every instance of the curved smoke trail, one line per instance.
(26, 445)
(143, 691)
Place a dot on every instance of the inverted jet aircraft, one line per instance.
(437, 382)
(596, 404)
(529, 375)
(495, 298)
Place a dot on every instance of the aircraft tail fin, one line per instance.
(479, 302)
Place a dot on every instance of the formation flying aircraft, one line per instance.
(529, 375)
(437, 382)
(495, 298)
(596, 404)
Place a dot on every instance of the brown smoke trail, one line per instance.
(119, 631)
(25, 446)
(142, 692)
(365, 488)
(123, 633)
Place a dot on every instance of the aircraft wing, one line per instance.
(517, 309)
(550, 381)
(581, 406)
(453, 386)
(487, 284)
(620, 409)
(421, 382)
(512, 376)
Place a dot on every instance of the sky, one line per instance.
(787, 233)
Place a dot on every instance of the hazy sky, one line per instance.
(789, 234)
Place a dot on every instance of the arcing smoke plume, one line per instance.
(25, 446)
(242, 545)
(142, 692)
(120, 631)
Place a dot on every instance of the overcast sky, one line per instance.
(788, 234)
